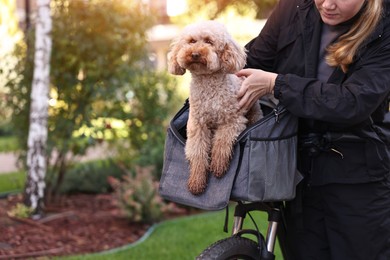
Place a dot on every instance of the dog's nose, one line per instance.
(195, 55)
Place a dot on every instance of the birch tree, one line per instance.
(37, 136)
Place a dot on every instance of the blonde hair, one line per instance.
(342, 52)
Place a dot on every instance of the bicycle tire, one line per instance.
(234, 247)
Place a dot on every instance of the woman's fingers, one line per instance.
(244, 73)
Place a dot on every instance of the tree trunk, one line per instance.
(37, 136)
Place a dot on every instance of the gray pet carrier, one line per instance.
(263, 167)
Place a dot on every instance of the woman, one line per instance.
(328, 62)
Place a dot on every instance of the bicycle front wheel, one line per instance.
(234, 247)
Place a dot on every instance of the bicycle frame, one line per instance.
(275, 216)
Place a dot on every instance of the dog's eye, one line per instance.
(192, 41)
(208, 41)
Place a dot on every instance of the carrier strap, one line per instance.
(225, 226)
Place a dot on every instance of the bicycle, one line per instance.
(239, 247)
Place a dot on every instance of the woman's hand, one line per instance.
(258, 83)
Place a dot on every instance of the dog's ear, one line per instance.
(173, 66)
(233, 57)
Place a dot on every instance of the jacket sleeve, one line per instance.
(263, 49)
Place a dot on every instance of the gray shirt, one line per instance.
(329, 35)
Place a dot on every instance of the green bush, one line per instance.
(137, 196)
(154, 101)
(20, 210)
(9, 144)
(5, 129)
(90, 177)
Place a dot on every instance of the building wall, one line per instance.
(159, 38)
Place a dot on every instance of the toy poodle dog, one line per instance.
(208, 51)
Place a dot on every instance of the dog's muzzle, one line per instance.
(195, 56)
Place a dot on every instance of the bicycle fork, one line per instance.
(274, 217)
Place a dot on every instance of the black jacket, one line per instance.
(355, 102)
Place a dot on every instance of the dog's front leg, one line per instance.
(222, 147)
(197, 152)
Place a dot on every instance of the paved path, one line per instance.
(8, 161)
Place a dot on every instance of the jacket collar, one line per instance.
(310, 22)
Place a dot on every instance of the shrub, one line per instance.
(154, 100)
(90, 177)
(20, 211)
(137, 196)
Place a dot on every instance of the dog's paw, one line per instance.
(219, 174)
(218, 168)
(197, 186)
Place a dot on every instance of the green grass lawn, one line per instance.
(13, 181)
(10, 182)
(178, 239)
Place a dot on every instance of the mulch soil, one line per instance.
(76, 224)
